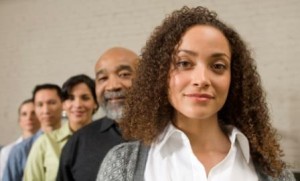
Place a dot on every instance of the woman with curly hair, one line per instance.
(198, 108)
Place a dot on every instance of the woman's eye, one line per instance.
(183, 64)
(85, 98)
(219, 67)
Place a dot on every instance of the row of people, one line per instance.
(29, 125)
(194, 110)
(48, 107)
(80, 103)
(78, 99)
(37, 158)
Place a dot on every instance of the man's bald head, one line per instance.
(117, 53)
(114, 71)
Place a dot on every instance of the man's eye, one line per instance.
(39, 105)
(101, 79)
(125, 75)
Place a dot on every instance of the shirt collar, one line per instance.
(236, 136)
(107, 123)
(172, 139)
(63, 132)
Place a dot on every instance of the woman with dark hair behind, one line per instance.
(198, 108)
(80, 103)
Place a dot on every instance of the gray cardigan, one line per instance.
(127, 161)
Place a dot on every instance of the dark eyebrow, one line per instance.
(220, 55)
(118, 69)
(192, 53)
(188, 52)
(124, 67)
(100, 72)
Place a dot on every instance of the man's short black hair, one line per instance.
(47, 86)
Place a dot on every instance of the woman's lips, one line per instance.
(201, 97)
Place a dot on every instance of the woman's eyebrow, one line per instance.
(190, 52)
(220, 55)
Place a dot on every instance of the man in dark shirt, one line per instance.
(82, 155)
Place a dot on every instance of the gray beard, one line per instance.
(114, 112)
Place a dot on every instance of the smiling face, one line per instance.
(114, 73)
(200, 74)
(79, 106)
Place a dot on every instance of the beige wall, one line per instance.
(48, 41)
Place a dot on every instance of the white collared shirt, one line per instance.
(171, 158)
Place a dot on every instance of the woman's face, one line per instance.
(200, 75)
(79, 106)
(27, 118)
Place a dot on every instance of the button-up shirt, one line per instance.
(172, 158)
(5, 153)
(43, 159)
(84, 152)
(17, 159)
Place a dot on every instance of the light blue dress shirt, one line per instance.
(17, 159)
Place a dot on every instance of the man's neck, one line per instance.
(48, 128)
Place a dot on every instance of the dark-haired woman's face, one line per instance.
(79, 106)
(200, 75)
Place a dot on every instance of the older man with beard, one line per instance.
(85, 150)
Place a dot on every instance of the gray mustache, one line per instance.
(114, 94)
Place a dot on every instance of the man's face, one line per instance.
(48, 107)
(114, 73)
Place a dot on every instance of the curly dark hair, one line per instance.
(148, 110)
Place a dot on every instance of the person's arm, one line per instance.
(66, 160)
(34, 169)
(13, 170)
